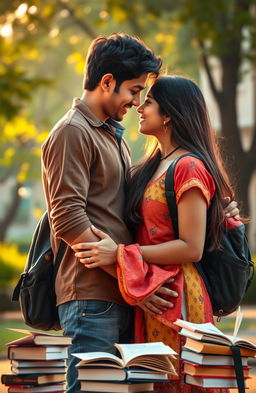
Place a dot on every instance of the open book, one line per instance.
(210, 333)
(154, 356)
(39, 338)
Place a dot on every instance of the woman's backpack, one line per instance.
(227, 271)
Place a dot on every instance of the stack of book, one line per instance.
(136, 370)
(207, 356)
(38, 363)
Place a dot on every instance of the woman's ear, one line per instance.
(107, 82)
(167, 120)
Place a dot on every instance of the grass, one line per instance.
(226, 325)
(7, 335)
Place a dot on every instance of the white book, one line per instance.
(38, 370)
(211, 382)
(209, 333)
(37, 363)
(210, 360)
(154, 356)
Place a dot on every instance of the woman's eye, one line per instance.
(133, 92)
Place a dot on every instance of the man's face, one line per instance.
(117, 103)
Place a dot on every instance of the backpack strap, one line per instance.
(238, 368)
(59, 256)
(171, 201)
(170, 192)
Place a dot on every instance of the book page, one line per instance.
(88, 357)
(239, 318)
(199, 327)
(32, 332)
(131, 351)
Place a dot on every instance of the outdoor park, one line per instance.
(42, 57)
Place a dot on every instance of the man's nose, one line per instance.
(136, 101)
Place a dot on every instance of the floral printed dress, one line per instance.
(157, 228)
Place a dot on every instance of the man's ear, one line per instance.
(107, 82)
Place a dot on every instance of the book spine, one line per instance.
(17, 380)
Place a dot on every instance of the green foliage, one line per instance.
(12, 263)
(8, 335)
(221, 23)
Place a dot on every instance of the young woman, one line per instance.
(175, 113)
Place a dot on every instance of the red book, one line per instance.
(212, 371)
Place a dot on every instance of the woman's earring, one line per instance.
(165, 127)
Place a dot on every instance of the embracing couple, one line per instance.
(115, 219)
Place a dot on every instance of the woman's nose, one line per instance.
(140, 109)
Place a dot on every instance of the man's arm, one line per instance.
(155, 304)
(66, 160)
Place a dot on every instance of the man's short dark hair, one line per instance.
(123, 56)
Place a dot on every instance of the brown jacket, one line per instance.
(83, 180)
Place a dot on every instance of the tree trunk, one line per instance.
(10, 213)
(240, 164)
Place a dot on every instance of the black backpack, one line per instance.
(35, 289)
(227, 271)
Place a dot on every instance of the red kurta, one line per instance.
(157, 228)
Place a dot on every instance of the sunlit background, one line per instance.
(43, 45)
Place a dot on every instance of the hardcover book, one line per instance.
(38, 370)
(39, 338)
(214, 349)
(118, 374)
(89, 386)
(210, 333)
(211, 382)
(212, 371)
(210, 360)
(37, 389)
(37, 363)
(37, 353)
(11, 379)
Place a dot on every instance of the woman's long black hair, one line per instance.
(182, 100)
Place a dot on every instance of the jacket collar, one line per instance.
(94, 121)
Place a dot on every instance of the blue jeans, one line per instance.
(94, 325)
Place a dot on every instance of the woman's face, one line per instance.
(151, 120)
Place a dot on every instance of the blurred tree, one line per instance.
(226, 30)
(19, 158)
(38, 38)
(49, 36)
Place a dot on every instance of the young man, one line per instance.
(84, 166)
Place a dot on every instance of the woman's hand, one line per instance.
(97, 254)
(231, 209)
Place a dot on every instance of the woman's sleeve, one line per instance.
(189, 173)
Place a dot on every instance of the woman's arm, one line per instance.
(192, 211)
